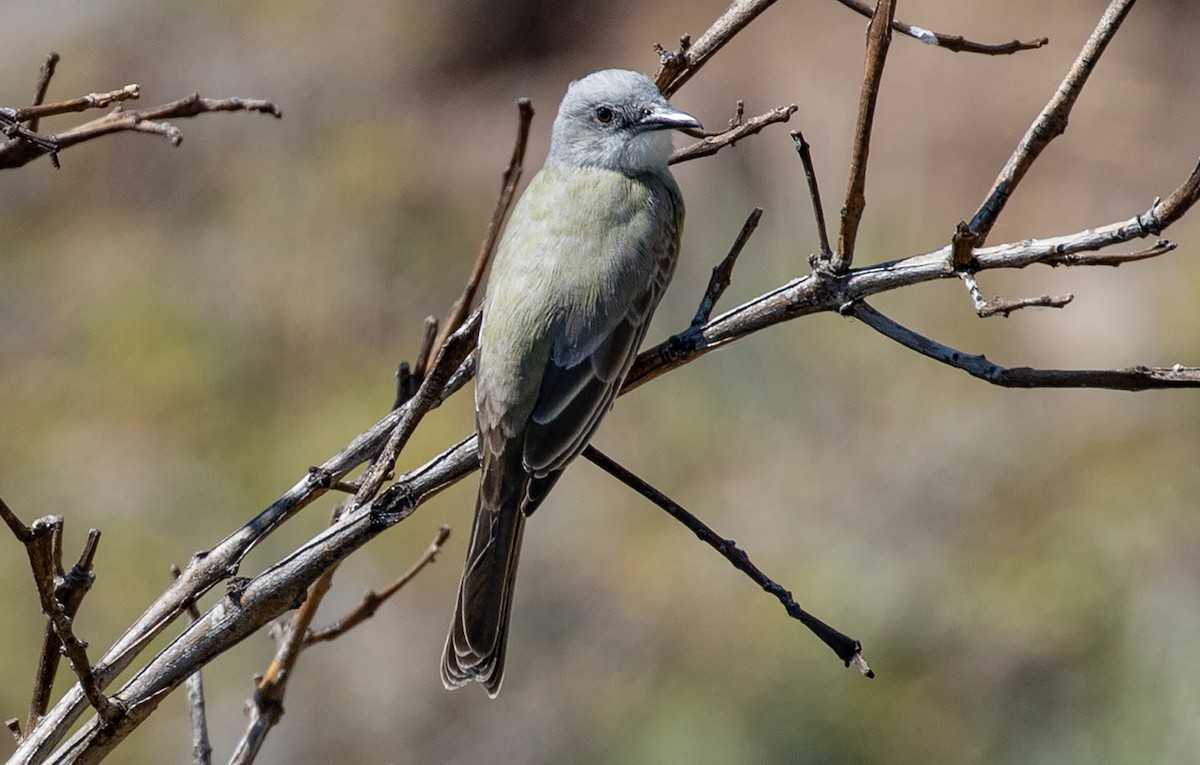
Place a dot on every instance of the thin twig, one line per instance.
(803, 148)
(1114, 259)
(953, 43)
(15, 525)
(450, 356)
(1133, 379)
(710, 145)
(1052, 121)
(508, 190)
(425, 352)
(201, 745)
(372, 600)
(723, 271)
(266, 708)
(847, 648)
(43, 85)
(69, 590)
(677, 66)
(879, 37)
(1002, 306)
(83, 103)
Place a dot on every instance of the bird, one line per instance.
(583, 262)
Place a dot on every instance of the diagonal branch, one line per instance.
(1052, 121)
(847, 648)
(508, 190)
(372, 600)
(677, 66)
(722, 273)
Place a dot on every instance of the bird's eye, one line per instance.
(604, 114)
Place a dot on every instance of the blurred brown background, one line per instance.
(183, 331)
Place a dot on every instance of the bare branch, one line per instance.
(677, 66)
(1052, 121)
(266, 708)
(879, 37)
(512, 176)
(723, 271)
(985, 308)
(424, 354)
(1004, 307)
(262, 599)
(712, 144)
(69, 590)
(847, 648)
(44, 549)
(22, 150)
(43, 84)
(815, 293)
(1133, 379)
(1161, 247)
(372, 600)
(814, 192)
(450, 356)
(201, 746)
(953, 43)
(83, 103)
(18, 529)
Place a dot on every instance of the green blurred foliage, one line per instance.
(184, 331)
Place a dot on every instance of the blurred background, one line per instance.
(183, 331)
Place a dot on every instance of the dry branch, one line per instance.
(953, 43)
(847, 648)
(1052, 121)
(879, 37)
(26, 147)
(1133, 379)
(710, 145)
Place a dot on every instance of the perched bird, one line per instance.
(584, 260)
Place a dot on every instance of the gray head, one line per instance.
(617, 120)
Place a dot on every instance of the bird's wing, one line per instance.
(586, 369)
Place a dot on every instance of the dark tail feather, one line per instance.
(479, 633)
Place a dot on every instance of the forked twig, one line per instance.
(372, 600)
(710, 145)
